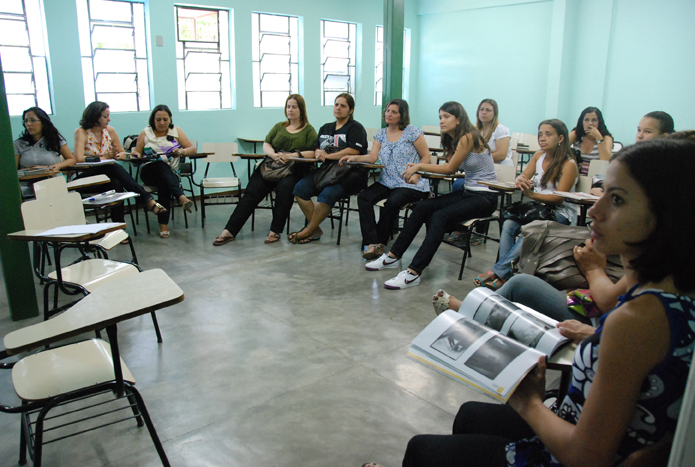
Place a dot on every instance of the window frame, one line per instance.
(351, 71)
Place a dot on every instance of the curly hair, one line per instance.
(92, 114)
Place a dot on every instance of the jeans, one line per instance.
(159, 174)
(256, 190)
(535, 293)
(441, 215)
(353, 182)
(396, 198)
(479, 436)
(510, 246)
(120, 181)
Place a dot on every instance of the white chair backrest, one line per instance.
(48, 212)
(371, 133)
(597, 167)
(50, 187)
(528, 139)
(584, 184)
(194, 143)
(512, 144)
(505, 173)
(617, 146)
(223, 152)
(432, 129)
(433, 141)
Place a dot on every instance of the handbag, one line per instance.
(329, 174)
(547, 251)
(272, 170)
(523, 213)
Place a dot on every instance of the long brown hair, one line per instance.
(563, 152)
(302, 109)
(495, 119)
(449, 143)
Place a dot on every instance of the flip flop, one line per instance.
(292, 237)
(272, 238)
(304, 241)
(441, 302)
(378, 251)
(219, 241)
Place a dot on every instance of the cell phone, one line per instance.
(92, 159)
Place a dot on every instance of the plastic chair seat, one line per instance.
(228, 182)
(65, 369)
(93, 273)
(111, 239)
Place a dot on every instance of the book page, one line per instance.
(474, 354)
(520, 323)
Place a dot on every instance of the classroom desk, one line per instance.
(98, 231)
(562, 361)
(437, 177)
(366, 165)
(252, 141)
(524, 152)
(504, 188)
(26, 175)
(87, 182)
(583, 200)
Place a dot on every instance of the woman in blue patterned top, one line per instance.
(645, 345)
(464, 149)
(394, 146)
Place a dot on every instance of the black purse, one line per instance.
(523, 213)
(330, 173)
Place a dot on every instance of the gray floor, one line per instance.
(280, 355)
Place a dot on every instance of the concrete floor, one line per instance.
(280, 355)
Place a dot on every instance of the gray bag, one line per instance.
(547, 251)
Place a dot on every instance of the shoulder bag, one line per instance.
(523, 213)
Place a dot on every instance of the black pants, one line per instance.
(159, 174)
(481, 432)
(121, 181)
(396, 198)
(256, 190)
(441, 215)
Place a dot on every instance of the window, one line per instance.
(24, 53)
(114, 53)
(202, 58)
(337, 59)
(379, 64)
(275, 59)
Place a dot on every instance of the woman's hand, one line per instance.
(531, 390)
(575, 330)
(121, 156)
(135, 155)
(588, 259)
(347, 159)
(281, 157)
(320, 154)
(410, 172)
(524, 183)
(594, 133)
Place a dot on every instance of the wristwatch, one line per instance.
(599, 141)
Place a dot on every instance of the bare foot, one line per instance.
(305, 233)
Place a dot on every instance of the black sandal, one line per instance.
(156, 208)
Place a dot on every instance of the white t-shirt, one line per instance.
(501, 132)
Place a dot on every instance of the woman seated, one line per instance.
(338, 139)
(395, 146)
(168, 143)
(40, 145)
(655, 125)
(553, 168)
(591, 138)
(291, 138)
(464, 149)
(612, 408)
(95, 137)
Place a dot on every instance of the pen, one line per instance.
(105, 194)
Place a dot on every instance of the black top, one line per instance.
(350, 135)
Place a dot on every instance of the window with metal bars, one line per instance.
(203, 58)
(113, 45)
(275, 58)
(338, 46)
(24, 51)
(379, 64)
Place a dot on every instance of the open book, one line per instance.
(489, 345)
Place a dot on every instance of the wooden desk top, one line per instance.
(578, 197)
(367, 165)
(301, 159)
(251, 156)
(501, 186)
(436, 149)
(431, 133)
(88, 181)
(249, 140)
(200, 155)
(441, 176)
(525, 150)
(32, 174)
(88, 165)
(146, 292)
(36, 235)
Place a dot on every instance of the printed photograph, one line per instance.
(528, 330)
(458, 337)
(494, 356)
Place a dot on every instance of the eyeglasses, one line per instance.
(31, 120)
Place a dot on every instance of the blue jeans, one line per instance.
(535, 293)
(441, 215)
(510, 246)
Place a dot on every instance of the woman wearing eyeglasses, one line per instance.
(40, 145)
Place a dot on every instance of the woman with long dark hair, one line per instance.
(591, 138)
(464, 149)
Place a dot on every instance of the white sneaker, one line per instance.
(382, 262)
(403, 280)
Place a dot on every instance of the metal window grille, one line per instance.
(275, 58)
(114, 53)
(24, 53)
(379, 64)
(203, 58)
(338, 45)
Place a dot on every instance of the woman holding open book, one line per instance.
(630, 401)
(167, 143)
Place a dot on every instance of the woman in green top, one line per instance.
(294, 137)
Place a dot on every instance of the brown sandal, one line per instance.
(219, 241)
(272, 238)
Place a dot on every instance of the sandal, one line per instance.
(476, 240)
(188, 206)
(455, 237)
(164, 233)
(292, 237)
(484, 278)
(495, 284)
(306, 240)
(441, 302)
(155, 208)
(378, 250)
(219, 241)
(272, 238)
(372, 464)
